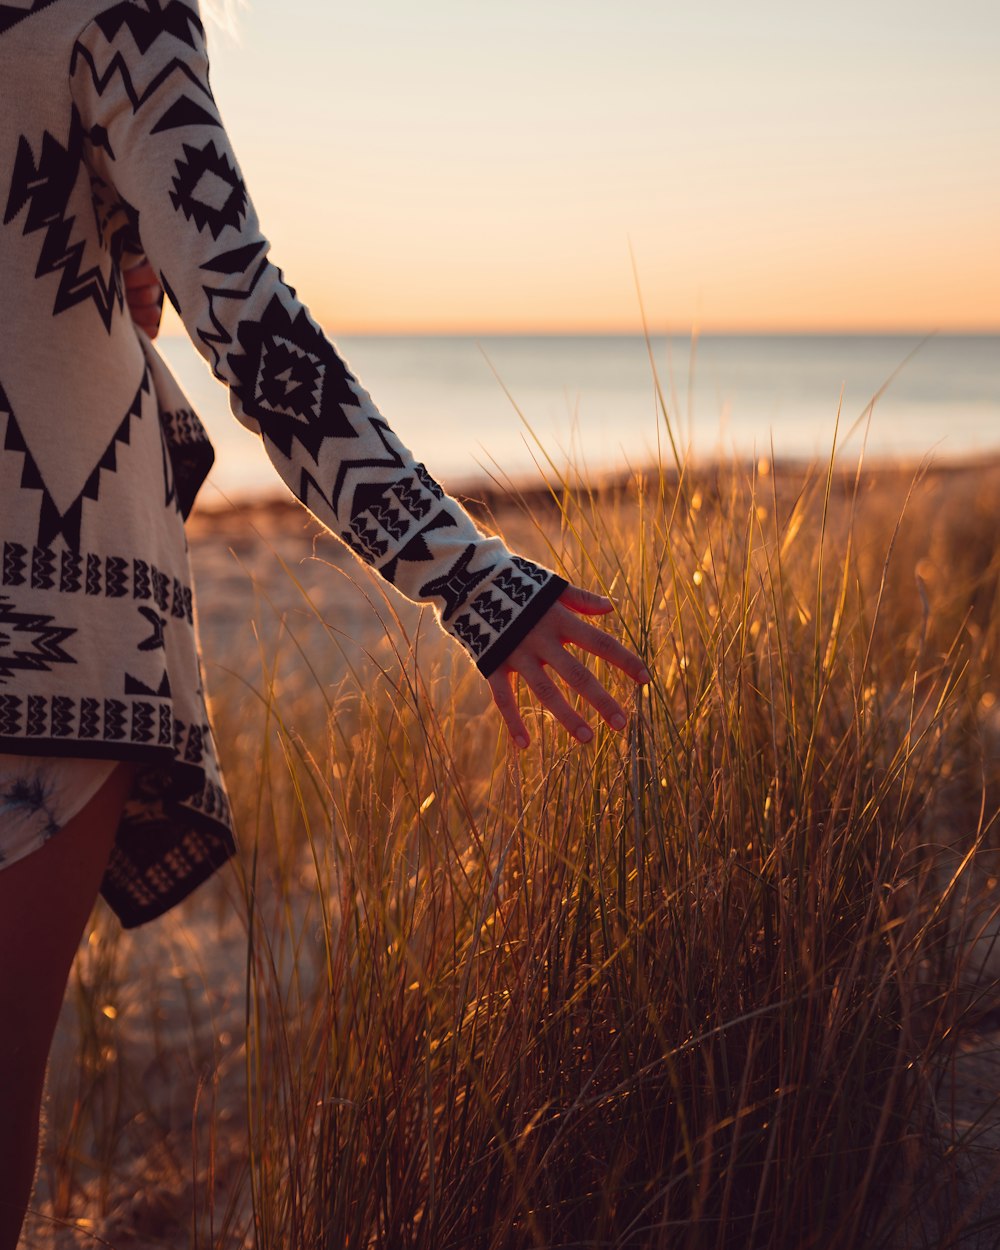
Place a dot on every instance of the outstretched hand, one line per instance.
(544, 647)
(144, 297)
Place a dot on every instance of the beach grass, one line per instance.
(701, 985)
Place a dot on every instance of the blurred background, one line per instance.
(465, 196)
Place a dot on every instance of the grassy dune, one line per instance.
(707, 984)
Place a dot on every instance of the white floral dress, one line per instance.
(39, 795)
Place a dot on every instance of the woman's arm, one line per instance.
(154, 133)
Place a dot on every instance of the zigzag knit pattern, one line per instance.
(112, 148)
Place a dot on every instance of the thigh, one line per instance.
(45, 901)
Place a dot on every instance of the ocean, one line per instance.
(499, 405)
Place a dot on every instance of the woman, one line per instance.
(112, 151)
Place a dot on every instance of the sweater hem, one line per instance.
(73, 748)
(216, 846)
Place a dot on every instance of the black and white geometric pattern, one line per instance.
(10, 14)
(112, 147)
(290, 379)
(30, 642)
(183, 112)
(54, 523)
(39, 192)
(187, 457)
(113, 576)
(208, 190)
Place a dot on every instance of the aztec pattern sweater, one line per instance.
(111, 148)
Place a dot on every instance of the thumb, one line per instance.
(585, 601)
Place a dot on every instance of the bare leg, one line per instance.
(45, 901)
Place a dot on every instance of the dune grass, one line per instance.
(696, 986)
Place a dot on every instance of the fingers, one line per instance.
(140, 275)
(542, 653)
(578, 677)
(144, 297)
(585, 601)
(607, 648)
(503, 696)
(550, 697)
(147, 321)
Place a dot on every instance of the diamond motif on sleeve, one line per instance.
(208, 190)
(289, 380)
(292, 381)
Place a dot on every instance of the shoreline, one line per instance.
(484, 497)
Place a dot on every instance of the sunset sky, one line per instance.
(456, 166)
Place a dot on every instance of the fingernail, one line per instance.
(617, 721)
(645, 676)
(521, 741)
(583, 734)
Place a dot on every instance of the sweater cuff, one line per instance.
(529, 616)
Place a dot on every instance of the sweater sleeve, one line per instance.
(153, 133)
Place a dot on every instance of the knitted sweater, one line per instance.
(111, 148)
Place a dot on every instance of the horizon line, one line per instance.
(921, 332)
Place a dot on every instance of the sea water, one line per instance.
(501, 405)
